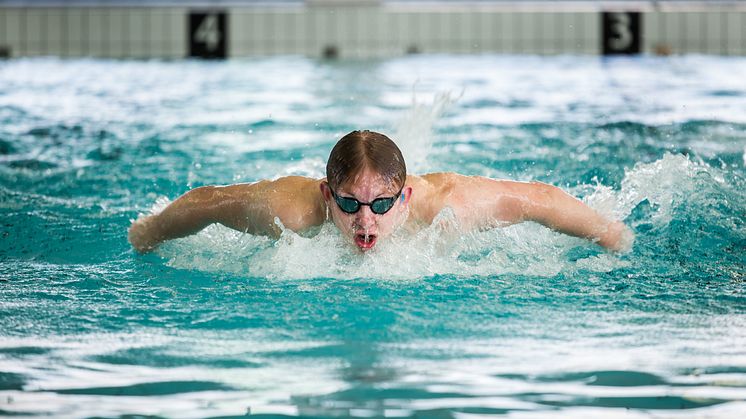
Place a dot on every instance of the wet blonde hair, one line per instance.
(359, 150)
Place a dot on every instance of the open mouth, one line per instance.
(365, 242)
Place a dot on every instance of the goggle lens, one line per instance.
(348, 205)
(382, 205)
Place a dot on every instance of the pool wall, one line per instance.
(364, 29)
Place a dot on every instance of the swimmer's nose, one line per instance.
(365, 217)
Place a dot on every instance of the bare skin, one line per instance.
(301, 203)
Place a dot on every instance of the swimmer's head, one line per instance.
(361, 150)
(367, 167)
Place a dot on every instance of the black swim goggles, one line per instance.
(378, 206)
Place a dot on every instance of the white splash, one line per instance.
(662, 182)
(310, 167)
(160, 204)
(414, 133)
(436, 250)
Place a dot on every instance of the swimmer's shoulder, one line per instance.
(295, 200)
(448, 183)
(298, 202)
(441, 180)
(431, 192)
(461, 193)
(441, 185)
(299, 186)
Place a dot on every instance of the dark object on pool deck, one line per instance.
(330, 52)
(413, 49)
(4, 51)
(662, 49)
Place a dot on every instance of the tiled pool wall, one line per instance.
(369, 29)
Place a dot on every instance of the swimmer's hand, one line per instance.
(143, 234)
(617, 238)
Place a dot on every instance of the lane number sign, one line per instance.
(208, 34)
(621, 33)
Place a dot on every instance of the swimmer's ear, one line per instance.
(406, 195)
(325, 191)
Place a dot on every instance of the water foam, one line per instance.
(435, 250)
(663, 183)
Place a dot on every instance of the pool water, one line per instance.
(521, 321)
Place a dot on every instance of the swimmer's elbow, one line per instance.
(203, 196)
(216, 204)
(541, 203)
(545, 194)
(521, 201)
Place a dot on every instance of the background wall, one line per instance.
(365, 29)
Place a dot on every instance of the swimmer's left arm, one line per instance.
(560, 211)
(509, 202)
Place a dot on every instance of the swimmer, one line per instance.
(368, 195)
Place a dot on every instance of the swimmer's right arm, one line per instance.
(249, 208)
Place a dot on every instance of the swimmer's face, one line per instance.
(365, 228)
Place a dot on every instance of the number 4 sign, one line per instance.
(207, 34)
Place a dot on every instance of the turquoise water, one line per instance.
(520, 322)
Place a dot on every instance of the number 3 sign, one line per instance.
(621, 33)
